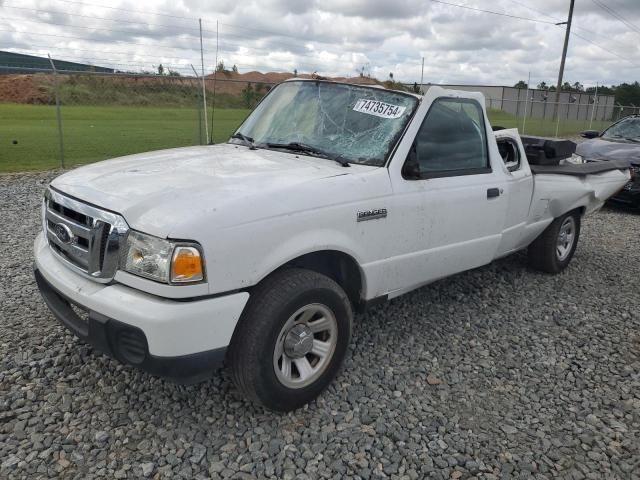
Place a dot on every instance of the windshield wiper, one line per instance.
(304, 148)
(248, 141)
(633, 139)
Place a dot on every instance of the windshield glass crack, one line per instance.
(343, 122)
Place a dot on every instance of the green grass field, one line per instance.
(29, 134)
(93, 133)
(544, 128)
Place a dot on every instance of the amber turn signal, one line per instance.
(186, 265)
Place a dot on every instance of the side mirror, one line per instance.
(591, 133)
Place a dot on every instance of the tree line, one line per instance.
(625, 93)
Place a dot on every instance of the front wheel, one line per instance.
(552, 251)
(291, 339)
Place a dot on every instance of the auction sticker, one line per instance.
(379, 109)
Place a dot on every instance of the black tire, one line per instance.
(543, 253)
(272, 304)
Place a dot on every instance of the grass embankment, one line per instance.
(144, 92)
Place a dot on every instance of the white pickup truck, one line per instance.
(328, 198)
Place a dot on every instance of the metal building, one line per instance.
(19, 63)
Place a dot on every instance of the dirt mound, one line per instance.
(24, 88)
(234, 83)
(37, 88)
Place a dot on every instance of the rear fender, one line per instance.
(564, 193)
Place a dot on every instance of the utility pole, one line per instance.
(422, 77)
(564, 55)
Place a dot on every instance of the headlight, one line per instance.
(575, 158)
(162, 260)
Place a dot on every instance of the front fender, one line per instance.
(313, 241)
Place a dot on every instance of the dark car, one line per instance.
(621, 141)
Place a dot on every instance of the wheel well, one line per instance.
(340, 267)
(581, 211)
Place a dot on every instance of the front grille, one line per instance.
(86, 237)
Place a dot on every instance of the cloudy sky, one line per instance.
(339, 37)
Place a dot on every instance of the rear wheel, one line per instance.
(291, 339)
(552, 251)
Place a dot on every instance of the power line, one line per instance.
(68, 25)
(535, 10)
(616, 15)
(128, 10)
(540, 21)
(378, 50)
(93, 17)
(606, 50)
(314, 67)
(154, 45)
(537, 20)
(227, 24)
(290, 47)
(556, 19)
(109, 52)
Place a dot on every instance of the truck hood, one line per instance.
(599, 149)
(161, 192)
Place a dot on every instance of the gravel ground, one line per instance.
(496, 373)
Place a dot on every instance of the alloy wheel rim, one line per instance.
(305, 345)
(566, 238)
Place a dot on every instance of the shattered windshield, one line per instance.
(344, 122)
(627, 129)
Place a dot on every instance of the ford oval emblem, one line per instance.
(63, 232)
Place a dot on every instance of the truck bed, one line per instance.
(581, 169)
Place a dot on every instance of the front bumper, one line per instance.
(184, 341)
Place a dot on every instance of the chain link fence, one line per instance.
(60, 119)
(550, 119)
(52, 119)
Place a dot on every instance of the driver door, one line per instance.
(450, 197)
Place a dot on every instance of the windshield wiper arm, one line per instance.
(248, 141)
(304, 148)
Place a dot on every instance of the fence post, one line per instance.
(557, 109)
(593, 106)
(215, 77)
(526, 101)
(58, 115)
(199, 111)
(204, 92)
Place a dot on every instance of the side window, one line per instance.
(510, 153)
(451, 141)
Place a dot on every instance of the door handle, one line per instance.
(493, 192)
